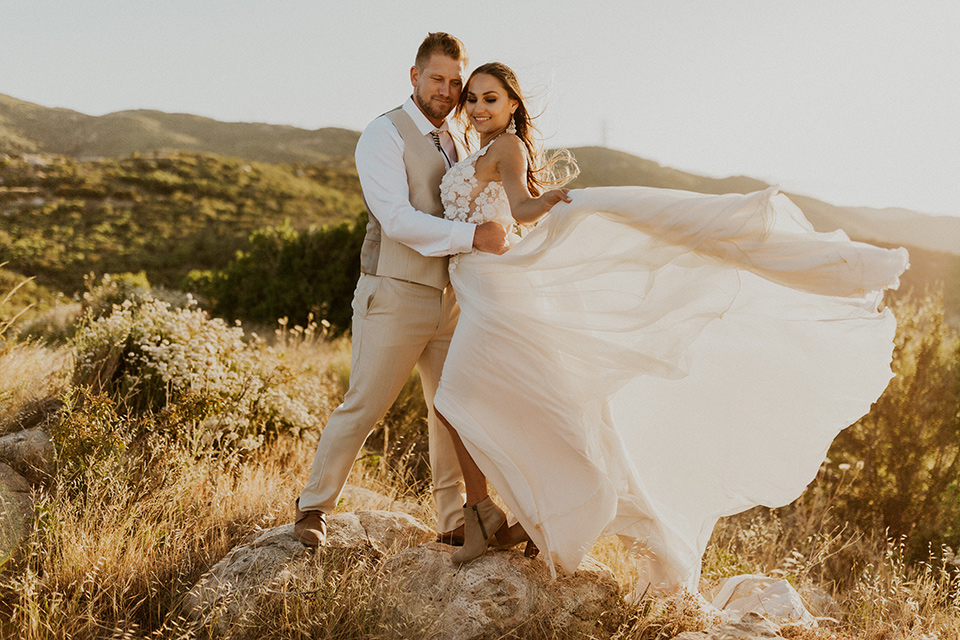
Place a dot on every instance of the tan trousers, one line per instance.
(396, 325)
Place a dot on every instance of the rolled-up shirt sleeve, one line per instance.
(383, 178)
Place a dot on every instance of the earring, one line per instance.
(512, 127)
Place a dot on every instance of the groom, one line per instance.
(404, 311)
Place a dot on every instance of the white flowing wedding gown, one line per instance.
(646, 361)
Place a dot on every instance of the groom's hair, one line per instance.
(443, 43)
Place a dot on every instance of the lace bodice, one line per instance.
(465, 199)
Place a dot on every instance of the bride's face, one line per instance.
(488, 107)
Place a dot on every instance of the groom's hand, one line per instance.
(490, 237)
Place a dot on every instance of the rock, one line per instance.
(495, 594)
(355, 498)
(751, 627)
(388, 531)
(12, 481)
(232, 589)
(30, 452)
(16, 510)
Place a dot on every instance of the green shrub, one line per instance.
(902, 460)
(290, 274)
(89, 438)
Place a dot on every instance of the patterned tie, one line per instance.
(435, 134)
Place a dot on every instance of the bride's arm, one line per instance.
(511, 157)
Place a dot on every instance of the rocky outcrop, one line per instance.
(235, 586)
(500, 592)
(26, 459)
(411, 584)
(415, 580)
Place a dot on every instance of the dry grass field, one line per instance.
(158, 475)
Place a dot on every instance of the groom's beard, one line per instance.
(430, 108)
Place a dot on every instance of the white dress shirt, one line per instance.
(383, 178)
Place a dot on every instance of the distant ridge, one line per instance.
(30, 128)
(600, 166)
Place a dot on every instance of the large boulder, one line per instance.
(16, 510)
(500, 592)
(235, 586)
(30, 452)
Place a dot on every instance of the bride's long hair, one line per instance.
(542, 173)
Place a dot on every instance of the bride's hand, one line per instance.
(554, 196)
(490, 237)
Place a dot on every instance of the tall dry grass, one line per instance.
(29, 373)
(32, 377)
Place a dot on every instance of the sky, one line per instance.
(856, 102)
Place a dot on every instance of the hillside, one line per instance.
(165, 214)
(27, 127)
(32, 128)
(937, 232)
(600, 166)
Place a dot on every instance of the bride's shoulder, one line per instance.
(508, 145)
(508, 141)
(509, 150)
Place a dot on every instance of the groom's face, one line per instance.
(437, 86)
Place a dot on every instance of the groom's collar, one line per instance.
(424, 125)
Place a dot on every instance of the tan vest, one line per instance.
(383, 256)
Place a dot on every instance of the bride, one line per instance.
(645, 361)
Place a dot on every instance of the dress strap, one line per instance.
(484, 149)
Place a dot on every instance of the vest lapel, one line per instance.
(416, 144)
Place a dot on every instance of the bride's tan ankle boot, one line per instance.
(480, 525)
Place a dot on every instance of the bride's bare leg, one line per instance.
(482, 519)
(476, 485)
(473, 478)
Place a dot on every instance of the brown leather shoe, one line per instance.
(454, 537)
(310, 526)
(510, 536)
